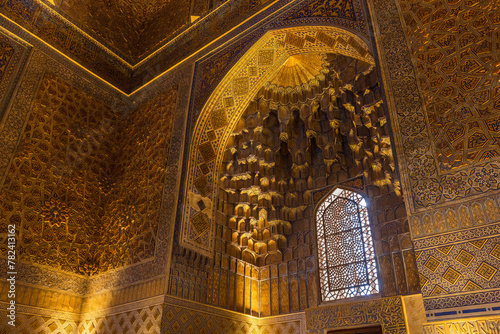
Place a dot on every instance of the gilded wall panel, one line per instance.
(463, 263)
(348, 13)
(481, 211)
(270, 290)
(39, 323)
(161, 95)
(13, 131)
(123, 295)
(85, 31)
(386, 312)
(53, 178)
(460, 266)
(70, 167)
(133, 184)
(144, 320)
(454, 46)
(33, 296)
(130, 27)
(13, 53)
(465, 326)
(13, 122)
(61, 186)
(180, 316)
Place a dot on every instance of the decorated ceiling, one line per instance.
(129, 43)
(129, 27)
(69, 193)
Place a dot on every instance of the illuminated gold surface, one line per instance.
(32, 191)
(65, 186)
(483, 325)
(298, 69)
(131, 27)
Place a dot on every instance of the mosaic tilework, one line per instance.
(231, 12)
(460, 262)
(387, 312)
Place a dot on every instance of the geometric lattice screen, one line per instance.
(346, 256)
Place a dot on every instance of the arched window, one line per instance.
(346, 257)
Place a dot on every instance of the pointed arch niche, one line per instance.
(300, 111)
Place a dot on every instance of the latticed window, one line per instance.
(346, 257)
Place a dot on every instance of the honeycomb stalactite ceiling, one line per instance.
(298, 69)
(291, 142)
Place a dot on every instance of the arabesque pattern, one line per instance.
(455, 46)
(65, 187)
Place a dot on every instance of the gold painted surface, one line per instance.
(144, 320)
(81, 185)
(488, 325)
(39, 323)
(455, 54)
(39, 297)
(298, 69)
(414, 313)
(132, 27)
(226, 106)
(125, 295)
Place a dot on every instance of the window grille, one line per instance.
(346, 256)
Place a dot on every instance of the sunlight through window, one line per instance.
(346, 256)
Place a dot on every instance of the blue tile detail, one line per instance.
(440, 314)
(474, 310)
